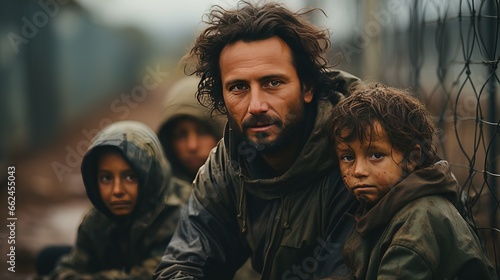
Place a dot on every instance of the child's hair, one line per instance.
(405, 120)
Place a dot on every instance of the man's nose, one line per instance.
(258, 103)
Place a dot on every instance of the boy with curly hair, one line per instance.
(407, 226)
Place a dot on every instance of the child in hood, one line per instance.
(188, 131)
(124, 235)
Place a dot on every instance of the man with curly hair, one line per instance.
(269, 190)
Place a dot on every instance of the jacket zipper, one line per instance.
(266, 270)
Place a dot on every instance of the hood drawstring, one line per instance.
(287, 209)
(242, 207)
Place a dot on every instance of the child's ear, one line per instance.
(414, 157)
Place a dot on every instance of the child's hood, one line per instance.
(142, 150)
(433, 180)
(181, 102)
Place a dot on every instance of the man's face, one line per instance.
(262, 92)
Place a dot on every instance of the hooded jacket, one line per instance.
(415, 232)
(292, 225)
(109, 247)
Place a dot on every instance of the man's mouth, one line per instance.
(260, 122)
(260, 127)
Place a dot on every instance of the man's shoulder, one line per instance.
(217, 181)
(218, 167)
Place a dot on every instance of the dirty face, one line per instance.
(262, 92)
(370, 169)
(117, 183)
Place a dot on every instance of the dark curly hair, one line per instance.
(251, 22)
(404, 118)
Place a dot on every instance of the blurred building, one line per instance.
(55, 64)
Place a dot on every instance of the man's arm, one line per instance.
(207, 243)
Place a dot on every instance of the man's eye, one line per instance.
(377, 156)
(274, 83)
(237, 88)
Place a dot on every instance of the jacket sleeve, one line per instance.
(146, 269)
(408, 264)
(207, 243)
(432, 241)
(340, 206)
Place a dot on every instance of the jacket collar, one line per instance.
(434, 180)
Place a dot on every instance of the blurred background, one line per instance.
(69, 68)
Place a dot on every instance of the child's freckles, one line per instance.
(345, 177)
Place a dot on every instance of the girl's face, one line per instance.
(370, 169)
(117, 183)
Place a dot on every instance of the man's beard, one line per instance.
(289, 131)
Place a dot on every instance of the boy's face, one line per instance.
(117, 183)
(371, 168)
(192, 143)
